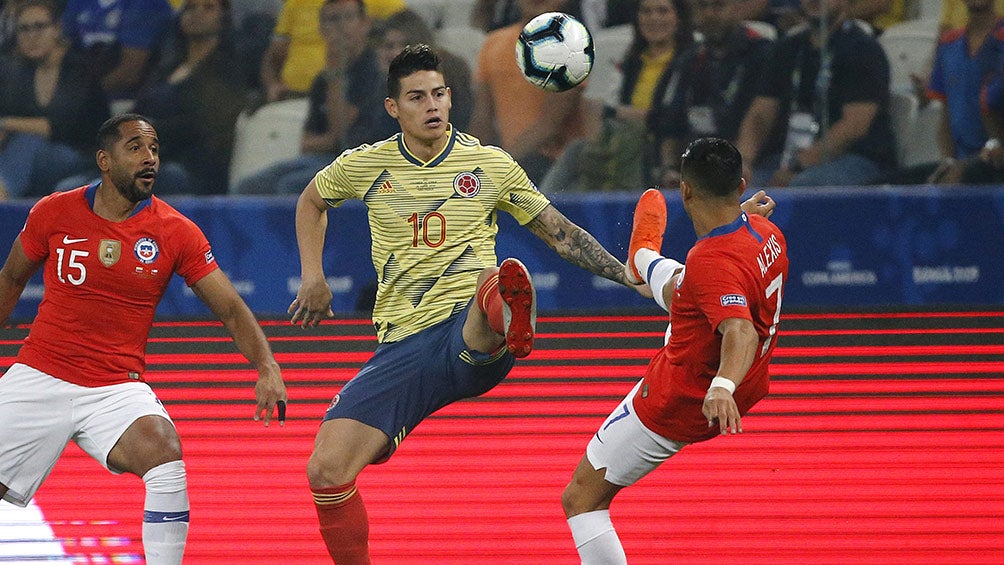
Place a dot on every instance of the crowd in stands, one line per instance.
(802, 87)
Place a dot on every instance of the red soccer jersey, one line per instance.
(736, 271)
(103, 281)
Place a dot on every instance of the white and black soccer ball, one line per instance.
(555, 51)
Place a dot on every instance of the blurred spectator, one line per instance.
(598, 14)
(531, 124)
(245, 9)
(490, 15)
(409, 28)
(712, 85)
(195, 97)
(879, 14)
(346, 103)
(49, 106)
(955, 14)
(967, 75)
(253, 27)
(821, 118)
(383, 9)
(119, 39)
(296, 54)
(6, 26)
(781, 14)
(622, 152)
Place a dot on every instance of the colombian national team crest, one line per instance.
(111, 251)
(146, 250)
(467, 185)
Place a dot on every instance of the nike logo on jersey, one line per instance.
(68, 240)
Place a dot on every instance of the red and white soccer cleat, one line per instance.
(647, 229)
(519, 306)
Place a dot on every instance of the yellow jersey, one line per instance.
(432, 223)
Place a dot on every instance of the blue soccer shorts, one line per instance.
(408, 380)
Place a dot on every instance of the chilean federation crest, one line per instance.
(146, 250)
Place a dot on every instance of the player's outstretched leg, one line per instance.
(519, 309)
(647, 230)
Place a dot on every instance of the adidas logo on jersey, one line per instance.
(386, 188)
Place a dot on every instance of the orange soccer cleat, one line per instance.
(519, 309)
(647, 229)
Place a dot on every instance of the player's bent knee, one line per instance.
(342, 449)
(588, 490)
(568, 500)
(577, 499)
(150, 441)
(325, 471)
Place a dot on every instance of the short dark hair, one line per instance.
(713, 166)
(411, 59)
(109, 132)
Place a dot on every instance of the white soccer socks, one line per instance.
(657, 271)
(596, 540)
(165, 514)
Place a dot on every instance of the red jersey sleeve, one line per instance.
(195, 258)
(718, 285)
(35, 233)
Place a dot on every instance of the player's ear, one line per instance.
(686, 191)
(102, 158)
(390, 105)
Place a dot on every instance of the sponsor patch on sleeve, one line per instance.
(733, 300)
(209, 256)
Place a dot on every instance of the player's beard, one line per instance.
(131, 189)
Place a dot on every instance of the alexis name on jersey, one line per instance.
(768, 254)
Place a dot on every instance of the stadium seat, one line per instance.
(909, 46)
(271, 134)
(929, 10)
(464, 41)
(903, 108)
(610, 45)
(922, 143)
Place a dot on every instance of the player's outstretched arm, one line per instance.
(14, 276)
(576, 245)
(759, 204)
(219, 294)
(313, 299)
(739, 343)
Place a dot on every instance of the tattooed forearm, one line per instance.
(576, 245)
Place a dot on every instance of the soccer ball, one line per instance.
(555, 51)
